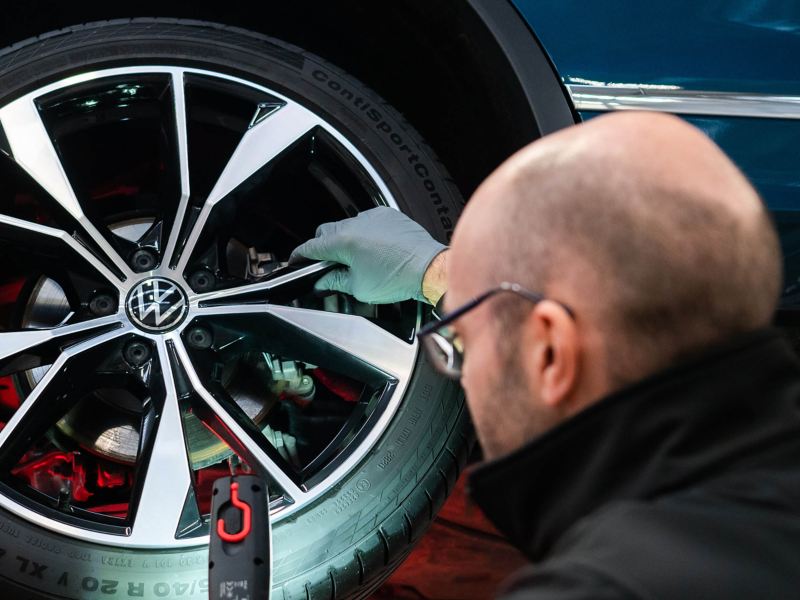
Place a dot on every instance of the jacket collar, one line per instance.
(685, 424)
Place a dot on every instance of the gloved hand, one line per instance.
(385, 252)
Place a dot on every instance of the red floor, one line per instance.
(461, 557)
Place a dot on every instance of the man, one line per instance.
(639, 418)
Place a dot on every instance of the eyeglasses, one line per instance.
(442, 343)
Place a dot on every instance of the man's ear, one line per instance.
(552, 336)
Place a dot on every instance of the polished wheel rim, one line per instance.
(154, 314)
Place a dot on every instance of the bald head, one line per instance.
(641, 224)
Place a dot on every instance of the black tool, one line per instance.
(240, 549)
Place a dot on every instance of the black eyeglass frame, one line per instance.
(505, 286)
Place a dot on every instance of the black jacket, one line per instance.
(686, 485)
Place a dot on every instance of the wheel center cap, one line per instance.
(156, 304)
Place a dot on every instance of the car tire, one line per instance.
(350, 539)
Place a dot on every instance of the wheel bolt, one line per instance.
(102, 305)
(199, 338)
(202, 280)
(143, 259)
(136, 353)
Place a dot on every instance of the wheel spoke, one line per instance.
(33, 150)
(260, 145)
(290, 488)
(355, 336)
(258, 291)
(52, 377)
(181, 138)
(65, 238)
(17, 342)
(168, 478)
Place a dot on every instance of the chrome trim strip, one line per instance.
(606, 97)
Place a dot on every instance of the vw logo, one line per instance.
(156, 304)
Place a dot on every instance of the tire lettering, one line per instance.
(135, 590)
(317, 516)
(161, 590)
(90, 584)
(9, 529)
(180, 588)
(387, 458)
(79, 555)
(346, 500)
(403, 437)
(37, 570)
(43, 544)
(395, 137)
(116, 561)
(190, 561)
(31, 567)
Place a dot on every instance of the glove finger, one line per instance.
(330, 244)
(327, 229)
(313, 249)
(329, 247)
(339, 280)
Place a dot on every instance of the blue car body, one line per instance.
(728, 67)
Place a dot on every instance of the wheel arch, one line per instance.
(469, 74)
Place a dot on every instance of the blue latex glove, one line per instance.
(385, 254)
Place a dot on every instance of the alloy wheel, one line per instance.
(161, 337)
